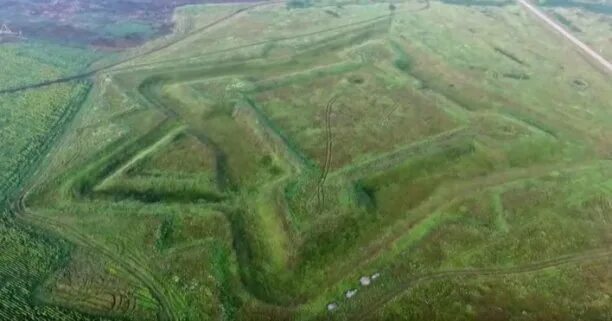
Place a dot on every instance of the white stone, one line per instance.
(350, 293)
(375, 276)
(332, 306)
(365, 280)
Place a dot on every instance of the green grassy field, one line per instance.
(29, 124)
(256, 169)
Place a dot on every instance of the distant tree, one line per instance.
(299, 4)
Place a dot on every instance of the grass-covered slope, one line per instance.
(337, 162)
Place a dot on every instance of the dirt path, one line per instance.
(607, 66)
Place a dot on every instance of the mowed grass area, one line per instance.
(258, 169)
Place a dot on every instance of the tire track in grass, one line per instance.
(387, 117)
(393, 238)
(320, 192)
(604, 254)
(165, 297)
(133, 267)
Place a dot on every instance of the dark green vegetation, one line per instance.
(30, 120)
(256, 170)
(112, 24)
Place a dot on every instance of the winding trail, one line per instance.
(581, 45)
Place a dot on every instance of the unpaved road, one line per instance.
(586, 49)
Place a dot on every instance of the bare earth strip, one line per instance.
(586, 49)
